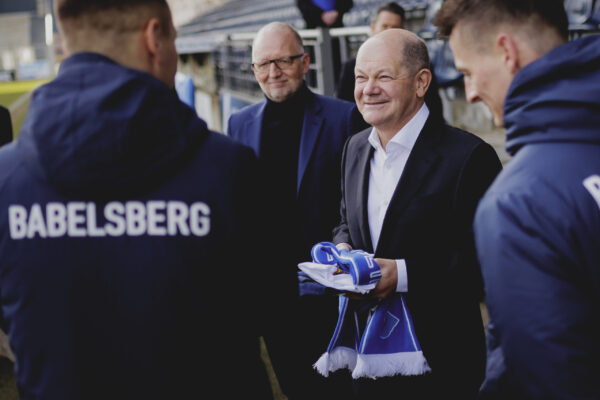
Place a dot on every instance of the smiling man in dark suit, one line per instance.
(298, 136)
(410, 186)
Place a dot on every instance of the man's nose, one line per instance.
(371, 87)
(274, 70)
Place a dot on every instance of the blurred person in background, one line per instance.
(324, 13)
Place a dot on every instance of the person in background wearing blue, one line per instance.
(387, 16)
(324, 13)
(298, 136)
(128, 229)
(538, 226)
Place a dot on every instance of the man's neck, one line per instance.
(127, 53)
(386, 133)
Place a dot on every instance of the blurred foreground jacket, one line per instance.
(538, 233)
(126, 227)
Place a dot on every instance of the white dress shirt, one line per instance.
(386, 168)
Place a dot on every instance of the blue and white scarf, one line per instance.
(388, 345)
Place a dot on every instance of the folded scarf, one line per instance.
(346, 271)
(388, 344)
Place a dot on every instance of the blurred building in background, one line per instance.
(26, 39)
(186, 10)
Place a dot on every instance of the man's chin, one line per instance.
(279, 96)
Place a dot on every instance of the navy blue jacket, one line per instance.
(124, 226)
(538, 232)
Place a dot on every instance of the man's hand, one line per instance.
(329, 17)
(343, 246)
(389, 278)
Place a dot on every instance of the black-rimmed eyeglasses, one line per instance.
(281, 63)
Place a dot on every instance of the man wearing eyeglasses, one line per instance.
(298, 136)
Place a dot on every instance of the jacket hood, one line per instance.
(100, 129)
(556, 98)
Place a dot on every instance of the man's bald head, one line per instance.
(392, 76)
(275, 29)
(278, 61)
(405, 47)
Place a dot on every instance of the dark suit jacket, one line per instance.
(6, 133)
(312, 14)
(428, 223)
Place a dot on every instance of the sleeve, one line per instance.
(230, 131)
(476, 176)
(537, 294)
(272, 287)
(402, 284)
(3, 324)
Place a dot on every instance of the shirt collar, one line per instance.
(406, 136)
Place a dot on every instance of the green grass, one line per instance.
(6, 99)
(20, 87)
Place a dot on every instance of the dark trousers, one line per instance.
(297, 342)
(420, 387)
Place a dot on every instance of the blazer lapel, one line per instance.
(253, 129)
(420, 162)
(311, 129)
(360, 169)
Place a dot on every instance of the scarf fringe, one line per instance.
(379, 365)
(340, 357)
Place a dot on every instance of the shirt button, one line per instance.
(388, 167)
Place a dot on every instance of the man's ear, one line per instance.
(509, 52)
(150, 37)
(422, 80)
(305, 63)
